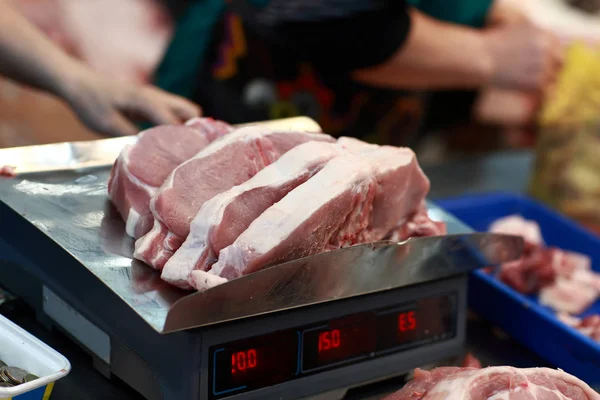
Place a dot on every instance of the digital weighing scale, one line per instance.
(310, 328)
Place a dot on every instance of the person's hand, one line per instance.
(523, 56)
(111, 107)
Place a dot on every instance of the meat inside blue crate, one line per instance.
(564, 279)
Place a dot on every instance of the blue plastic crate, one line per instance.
(521, 316)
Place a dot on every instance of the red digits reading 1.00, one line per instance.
(407, 321)
(329, 340)
(243, 360)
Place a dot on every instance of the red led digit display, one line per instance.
(329, 340)
(254, 363)
(407, 321)
(429, 320)
(261, 361)
(243, 360)
(341, 340)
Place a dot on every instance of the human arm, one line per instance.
(438, 55)
(105, 105)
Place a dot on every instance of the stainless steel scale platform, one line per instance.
(309, 328)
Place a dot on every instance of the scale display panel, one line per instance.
(261, 361)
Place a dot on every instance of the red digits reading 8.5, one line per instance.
(243, 360)
(407, 321)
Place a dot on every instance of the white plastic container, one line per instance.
(20, 349)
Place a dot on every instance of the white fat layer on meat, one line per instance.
(203, 280)
(287, 168)
(462, 385)
(568, 295)
(116, 167)
(133, 218)
(143, 244)
(355, 145)
(517, 225)
(568, 319)
(284, 217)
(587, 277)
(195, 121)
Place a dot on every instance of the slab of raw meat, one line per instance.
(494, 383)
(353, 199)
(224, 217)
(227, 162)
(142, 168)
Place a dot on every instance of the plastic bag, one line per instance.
(566, 172)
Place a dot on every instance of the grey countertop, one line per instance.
(506, 171)
(500, 172)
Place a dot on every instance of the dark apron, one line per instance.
(237, 73)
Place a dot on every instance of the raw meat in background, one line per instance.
(564, 280)
(122, 38)
(494, 383)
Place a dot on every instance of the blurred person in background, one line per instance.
(104, 105)
(360, 68)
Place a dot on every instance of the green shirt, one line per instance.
(465, 12)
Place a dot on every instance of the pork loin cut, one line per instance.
(142, 168)
(355, 198)
(494, 383)
(224, 217)
(227, 162)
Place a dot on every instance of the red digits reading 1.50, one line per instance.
(243, 360)
(329, 340)
(407, 321)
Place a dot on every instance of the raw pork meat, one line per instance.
(564, 279)
(353, 199)
(497, 383)
(224, 217)
(7, 171)
(227, 162)
(143, 167)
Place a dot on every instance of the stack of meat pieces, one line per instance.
(564, 280)
(494, 383)
(208, 203)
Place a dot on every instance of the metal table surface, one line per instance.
(503, 171)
